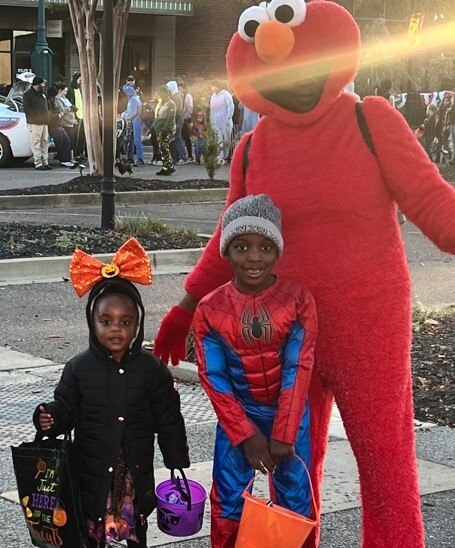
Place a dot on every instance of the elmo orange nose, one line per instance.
(274, 42)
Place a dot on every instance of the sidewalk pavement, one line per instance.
(25, 176)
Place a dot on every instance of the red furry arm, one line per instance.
(212, 270)
(413, 180)
(170, 341)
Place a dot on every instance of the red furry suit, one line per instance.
(290, 62)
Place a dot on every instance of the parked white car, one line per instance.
(14, 139)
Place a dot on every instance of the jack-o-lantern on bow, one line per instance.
(131, 262)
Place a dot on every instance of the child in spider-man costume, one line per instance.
(290, 62)
(255, 340)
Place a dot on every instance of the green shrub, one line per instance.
(212, 149)
(135, 226)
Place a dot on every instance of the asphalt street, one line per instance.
(47, 320)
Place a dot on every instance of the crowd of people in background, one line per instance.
(437, 131)
(57, 115)
(187, 124)
(177, 127)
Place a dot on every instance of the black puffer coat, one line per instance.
(118, 405)
(36, 107)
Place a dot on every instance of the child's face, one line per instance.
(252, 258)
(200, 119)
(115, 320)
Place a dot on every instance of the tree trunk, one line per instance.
(85, 28)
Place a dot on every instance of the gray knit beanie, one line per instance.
(252, 214)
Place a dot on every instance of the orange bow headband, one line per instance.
(131, 262)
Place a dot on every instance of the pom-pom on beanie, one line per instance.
(252, 214)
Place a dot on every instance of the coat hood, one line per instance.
(129, 91)
(121, 287)
(319, 49)
(74, 78)
(172, 86)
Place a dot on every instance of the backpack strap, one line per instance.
(246, 152)
(363, 126)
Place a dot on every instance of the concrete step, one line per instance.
(55, 269)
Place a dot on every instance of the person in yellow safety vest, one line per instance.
(75, 96)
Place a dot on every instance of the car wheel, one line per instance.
(5, 151)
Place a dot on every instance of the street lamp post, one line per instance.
(108, 191)
(41, 52)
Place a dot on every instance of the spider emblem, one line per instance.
(256, 327)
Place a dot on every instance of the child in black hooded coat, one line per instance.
(117, 396)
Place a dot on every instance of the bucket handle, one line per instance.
(40, 436)
(176, 481)
(273, 492)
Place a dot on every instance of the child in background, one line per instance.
(419, 133)
(117, 396)
(199, 129)
(255, 340)
(429, 125)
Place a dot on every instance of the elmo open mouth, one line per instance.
(297, 89)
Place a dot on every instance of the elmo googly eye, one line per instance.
(250, 20)
(289, 12)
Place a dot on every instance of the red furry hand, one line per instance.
(171, 339)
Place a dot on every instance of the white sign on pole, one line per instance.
(54, 28)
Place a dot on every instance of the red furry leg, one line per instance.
(365, 361)
(379, 424)
(320, 409)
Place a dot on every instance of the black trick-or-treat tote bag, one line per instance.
(48, 493)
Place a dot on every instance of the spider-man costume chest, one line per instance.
(253, 330)
(256, 327)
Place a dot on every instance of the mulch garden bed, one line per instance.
(89, 184)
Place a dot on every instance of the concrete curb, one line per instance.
(185, 372)
(39, 201)
(51, 269)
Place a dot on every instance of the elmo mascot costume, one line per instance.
(290, 62)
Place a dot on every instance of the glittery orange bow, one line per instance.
(131, 262)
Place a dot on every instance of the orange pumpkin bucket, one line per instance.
(264, 524)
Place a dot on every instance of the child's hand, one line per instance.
(258, 453)
(45, 419)
(281, 451)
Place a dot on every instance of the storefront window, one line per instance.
(136, 59)
(23, 42)
(5, 61)
(15, 55)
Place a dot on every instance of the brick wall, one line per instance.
(202, 40)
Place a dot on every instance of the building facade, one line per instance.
(202, 40)
(150, 44)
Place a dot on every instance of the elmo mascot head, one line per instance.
(291, 60)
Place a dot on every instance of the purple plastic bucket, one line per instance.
(177, 517)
